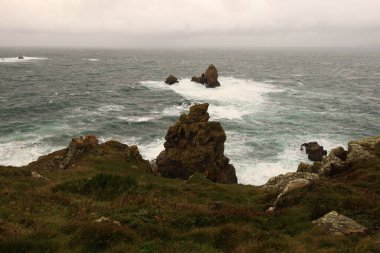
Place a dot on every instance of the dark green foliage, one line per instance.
(34, 243)
(101, 187)
(97, 236)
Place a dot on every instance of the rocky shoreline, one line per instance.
(194, 163)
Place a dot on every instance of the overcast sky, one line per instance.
(189, 23)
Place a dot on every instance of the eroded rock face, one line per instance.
(314, 151)
(195, 144)
(339, 224)
(209, 78)
(77, 147)
(171, 80)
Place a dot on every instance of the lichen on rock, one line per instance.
(338, 224)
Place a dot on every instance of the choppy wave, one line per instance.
(111, 108)
(234, 99)
(90, 59)
(17, 60)
(137, 118)
(151, 150)
(256, 170)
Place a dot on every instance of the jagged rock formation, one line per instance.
(314, 151)
(340, 160)
(209, 78)
(82, 147)
(77, 147)
(171, 80)
(194, 144)
(212, 77)
(338, 224)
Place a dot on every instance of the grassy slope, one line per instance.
(169, 215)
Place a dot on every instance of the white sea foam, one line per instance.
(232, 100)
(22, 152)
(137, 118)
(175, 110)
(111, 108)
(252, 170)
(16, 59)
(93, 59)
(151, 150)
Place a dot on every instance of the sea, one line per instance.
(271, 100)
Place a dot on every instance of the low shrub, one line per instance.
(101, 187)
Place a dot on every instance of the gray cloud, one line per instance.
(189, 22)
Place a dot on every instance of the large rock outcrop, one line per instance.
(209, 78)
(340, 160)
(195, 144)
(81, 148)
(78, 147)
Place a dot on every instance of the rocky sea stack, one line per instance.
(209, 78)
(195, 144)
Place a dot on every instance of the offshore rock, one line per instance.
(202, 79)
(212, 77)
(338, 224)
(194, 144)
(209, 78)
(314, 151)
(171, 80)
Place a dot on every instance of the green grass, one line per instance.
(170, 215)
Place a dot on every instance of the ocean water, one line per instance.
(269, 103)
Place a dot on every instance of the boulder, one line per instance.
(20, 58)
(280, 182)
(363, 150)
(338, 224)
(314, 151)
(171, 80)
(195, 144)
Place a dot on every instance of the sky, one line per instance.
(190, 23)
